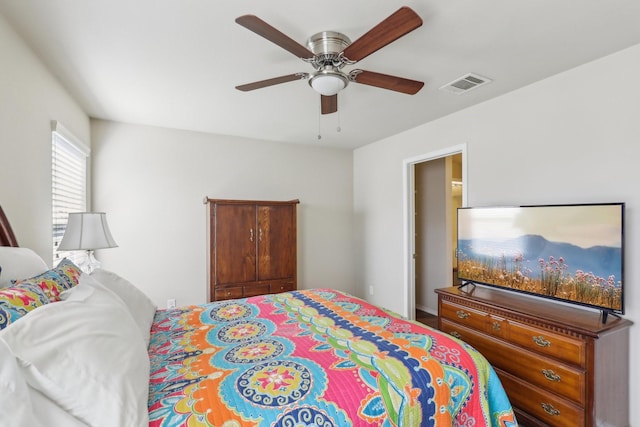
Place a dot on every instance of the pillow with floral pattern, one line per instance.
(57, 280)
(69, 272)
(18, 300)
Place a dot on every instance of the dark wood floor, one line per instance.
(426, 318)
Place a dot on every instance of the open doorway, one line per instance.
(434, 189)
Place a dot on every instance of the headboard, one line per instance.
(7, 238)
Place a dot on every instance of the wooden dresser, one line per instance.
(559, 365)
(252, 247)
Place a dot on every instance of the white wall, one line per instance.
(152, 181)
(30, 98)
(568, 139)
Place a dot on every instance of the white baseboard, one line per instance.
(428, 310)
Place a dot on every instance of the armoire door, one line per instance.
(276, 242)
(235, 243)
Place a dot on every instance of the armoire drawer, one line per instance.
(228, 293)
(541, 371)
(278, 287)
(254, 289)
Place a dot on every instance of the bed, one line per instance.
(82, 349)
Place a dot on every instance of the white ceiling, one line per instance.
(175, 63)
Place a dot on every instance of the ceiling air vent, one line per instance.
(465, 83)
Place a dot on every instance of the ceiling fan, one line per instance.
(329, 51)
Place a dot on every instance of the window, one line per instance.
(69, 157)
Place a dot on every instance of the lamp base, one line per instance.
(89, 263)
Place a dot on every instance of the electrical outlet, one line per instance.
(171, 303)
(371, 290)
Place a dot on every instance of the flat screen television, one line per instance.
(571, 253)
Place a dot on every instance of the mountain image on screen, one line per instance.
(527, 251)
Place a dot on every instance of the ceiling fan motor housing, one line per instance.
(327, 46)
(328, 43)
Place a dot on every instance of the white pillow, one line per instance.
(141, 308)
(16, 408)
(18, 264)
(86, 355)
(26, 406)
(49, 413)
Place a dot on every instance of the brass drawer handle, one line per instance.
(462, 314)
(541, 341)
(455, 334)
(496, 326)
(549, 409)
(550, 375)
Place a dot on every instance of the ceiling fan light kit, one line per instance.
(328, 82)
(329, 51)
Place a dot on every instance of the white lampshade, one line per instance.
(328, 84)
(87, 231)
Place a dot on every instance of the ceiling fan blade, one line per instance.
(328, 104)
(384, 81)
(270, 82)
(265, 30)
(403, 21)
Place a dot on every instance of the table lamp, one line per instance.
(87, 231)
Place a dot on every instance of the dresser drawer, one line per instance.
(545, 406)
(497, 326)
(541, 371)
(464, 315)
(561, 347)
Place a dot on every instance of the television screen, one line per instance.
(572, 253)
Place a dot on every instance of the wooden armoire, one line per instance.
(252, 247)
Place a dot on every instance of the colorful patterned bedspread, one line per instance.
(314, 358)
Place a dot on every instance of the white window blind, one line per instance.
(69, 159)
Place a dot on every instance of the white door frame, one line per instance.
(408, 201)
